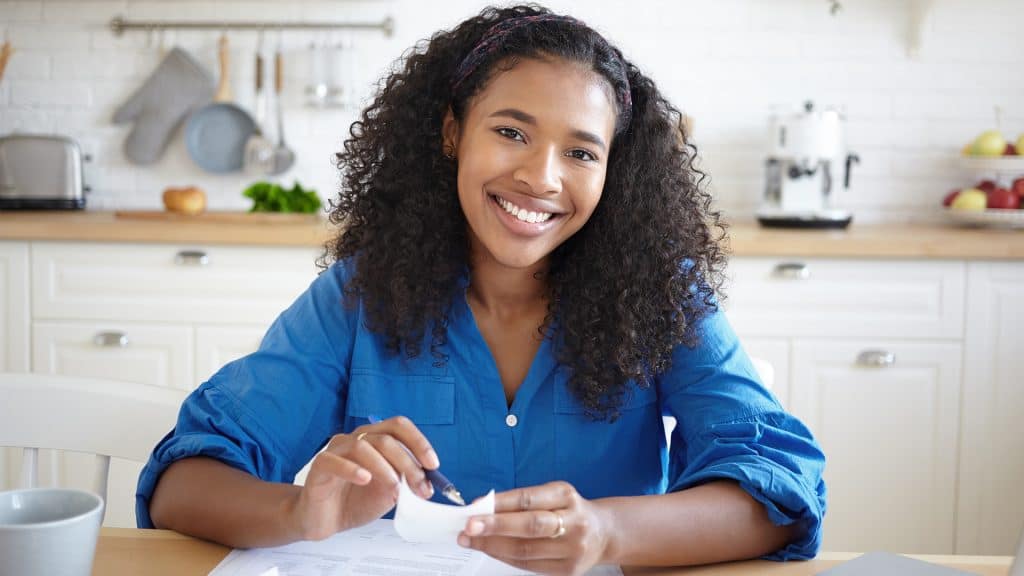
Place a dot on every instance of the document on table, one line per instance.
(492, 567)
(373, 549)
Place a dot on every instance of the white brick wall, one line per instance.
(726, 62)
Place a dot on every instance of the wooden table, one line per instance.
(127, 551)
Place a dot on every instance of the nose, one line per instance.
(540, 170)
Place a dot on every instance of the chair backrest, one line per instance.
(102, 417)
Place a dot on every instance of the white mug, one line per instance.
(50, 531)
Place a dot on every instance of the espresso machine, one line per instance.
(807, 164)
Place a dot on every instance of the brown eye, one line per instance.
(583, 155)
(510, 133)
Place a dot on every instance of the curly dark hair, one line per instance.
(625, 290)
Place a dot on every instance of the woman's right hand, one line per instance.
(354, 480)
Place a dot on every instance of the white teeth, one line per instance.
(523, 214)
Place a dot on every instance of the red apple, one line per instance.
(1003, 198)
(1018, 188)
(1010, 150)
(949, 197)
(986, 186)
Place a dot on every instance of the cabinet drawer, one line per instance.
(147, 354)
(816, 297)
(220, 284)
(887, 414)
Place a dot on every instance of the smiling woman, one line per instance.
(527, 279)
(532, 157)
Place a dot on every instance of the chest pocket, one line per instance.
(424, 399)
(429, 401)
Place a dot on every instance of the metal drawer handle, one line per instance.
(191, 258)
(792, 271)
(111, 340)
(876, 358)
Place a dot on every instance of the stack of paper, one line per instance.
(374, 549)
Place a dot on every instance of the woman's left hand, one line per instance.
(548, 528)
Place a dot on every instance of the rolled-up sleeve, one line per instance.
(269, 412)
(729, 426)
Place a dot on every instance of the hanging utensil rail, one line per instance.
(119, 25)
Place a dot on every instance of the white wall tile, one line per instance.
(82, 11)
(46, 36)
(103, 65)
(51, 94)
(25, 121)
(28, 65)
(22, 11)
(727, 62)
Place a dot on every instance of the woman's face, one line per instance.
(532, 156)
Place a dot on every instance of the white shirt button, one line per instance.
(511, 420)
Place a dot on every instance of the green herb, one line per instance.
(270, 197)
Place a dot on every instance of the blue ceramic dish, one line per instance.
(215, 136)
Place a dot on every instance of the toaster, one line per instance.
(40, 172)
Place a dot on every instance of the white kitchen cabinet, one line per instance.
(991, 504)
(846, 298)
(218, 345)
(167, 283)
(184, 311)
(14, 329)
(158, 355)
(158, 314)
(776, 352)
(889, 433)
(14, 306)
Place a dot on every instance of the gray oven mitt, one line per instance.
(178, 85)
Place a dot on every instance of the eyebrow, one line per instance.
(525, 118)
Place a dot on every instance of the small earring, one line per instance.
(449, 152)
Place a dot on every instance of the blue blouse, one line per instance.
(320, 372)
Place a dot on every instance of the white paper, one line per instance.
(422, 521)
(493, 567)
(372, 549)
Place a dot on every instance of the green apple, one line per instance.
(989, 143)
(970, 199)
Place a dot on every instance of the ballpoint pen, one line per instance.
(438, 480)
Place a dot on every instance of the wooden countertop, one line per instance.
(123, 551)
(747, 239)
(108, 227)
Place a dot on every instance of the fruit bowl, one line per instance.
(999, 165)
(992, 217)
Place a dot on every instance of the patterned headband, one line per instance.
(495, 37)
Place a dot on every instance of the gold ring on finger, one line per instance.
(561, 527)
(360, 437)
